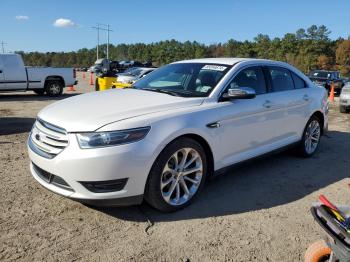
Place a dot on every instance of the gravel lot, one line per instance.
(257, 212)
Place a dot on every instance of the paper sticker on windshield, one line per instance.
(214, 67)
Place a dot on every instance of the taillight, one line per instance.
(74, 73)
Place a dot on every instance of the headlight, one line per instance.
(112, 138)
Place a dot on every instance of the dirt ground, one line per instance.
(256, 212)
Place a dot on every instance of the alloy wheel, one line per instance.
(312, 136)
(181, 176)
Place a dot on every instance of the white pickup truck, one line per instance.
(14, 76)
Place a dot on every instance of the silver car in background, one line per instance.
(344, 102)
(134, 74)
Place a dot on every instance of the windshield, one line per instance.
(129, 70)
(321, 74)
(184, 79)
(135, 72)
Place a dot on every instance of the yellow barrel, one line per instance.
(104, 83)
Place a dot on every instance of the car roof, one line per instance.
(223, 60)
(227, 60)
(321, 70)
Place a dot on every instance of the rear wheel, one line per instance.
(54, 88)
(177, 175)
(318, 252)
(311, 137)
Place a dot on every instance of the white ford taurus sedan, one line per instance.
(159, 140)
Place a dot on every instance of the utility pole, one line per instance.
(103, 28)
(98, 38)
(107, 41)
(2, 45)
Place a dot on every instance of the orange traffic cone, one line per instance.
(91, 79)
(84, 75)
(71, 88)
(331, 95)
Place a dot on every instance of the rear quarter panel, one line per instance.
(319, 102)
(38, 75)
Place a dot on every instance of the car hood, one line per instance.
(321, 79)
(89, 112)
(126, 77)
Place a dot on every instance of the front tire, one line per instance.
(311, 137)
(54, 88)
(177, 175)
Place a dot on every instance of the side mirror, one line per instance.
(239, 93)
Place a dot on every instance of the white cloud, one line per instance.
(63, 22)
(21, 17)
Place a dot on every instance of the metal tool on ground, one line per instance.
(335, 220)
(332, 207)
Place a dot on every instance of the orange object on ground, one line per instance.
(91, 79)
(326, 202)
(318, 251)
(71, 88)
(331, 95)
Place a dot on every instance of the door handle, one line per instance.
(306, 97)
(213, 125)
(0, 71)
(267, 104)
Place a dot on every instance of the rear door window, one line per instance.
(281, 79)
(298, 82)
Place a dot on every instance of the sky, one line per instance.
(66, 25)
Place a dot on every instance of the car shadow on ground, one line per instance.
(33, 97)
(15, 125)
(264, 183)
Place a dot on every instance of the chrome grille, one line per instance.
(48, 140)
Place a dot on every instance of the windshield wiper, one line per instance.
(172, 93)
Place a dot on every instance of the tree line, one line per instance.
(307, 49)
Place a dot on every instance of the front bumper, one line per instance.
(76, 166)
(344, 100)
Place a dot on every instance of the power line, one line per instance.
(108, 30)
(103, 28)
(98, 38)
(3, 46)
